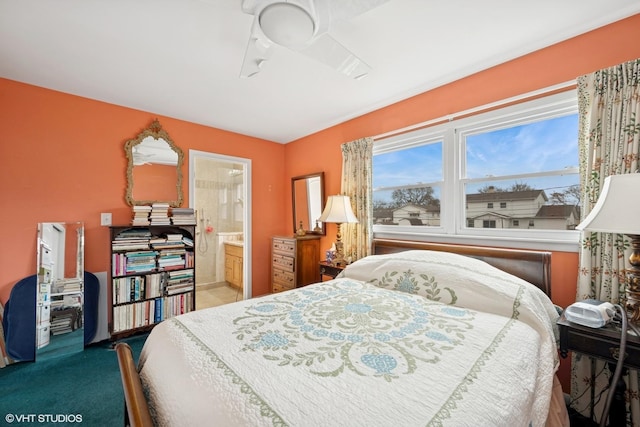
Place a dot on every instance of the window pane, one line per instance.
(545, 203)
(543, 146)
(406, 186)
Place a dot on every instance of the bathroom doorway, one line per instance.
(219, 192)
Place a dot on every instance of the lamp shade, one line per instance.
(618, 207)
(338, 210)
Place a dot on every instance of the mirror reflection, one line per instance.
(308, 203)
(154, 171)
(59, 289)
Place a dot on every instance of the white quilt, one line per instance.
(412, 339)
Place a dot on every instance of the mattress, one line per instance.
(418, 338)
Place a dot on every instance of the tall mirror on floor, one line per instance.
(60, 289)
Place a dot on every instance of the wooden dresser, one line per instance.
(294, 262)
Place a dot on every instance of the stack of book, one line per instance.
(179, 281)
(171, 259)
(141, 215)
(160, 214)
(140, 261)
(183, 216)
(131, 239)
(67, 286)
(168, 241)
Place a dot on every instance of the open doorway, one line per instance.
(219, 192)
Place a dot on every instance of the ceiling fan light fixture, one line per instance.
(287, 24)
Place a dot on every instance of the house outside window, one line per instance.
(445, 179)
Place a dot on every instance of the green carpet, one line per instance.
(60, 390)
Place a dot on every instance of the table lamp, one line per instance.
(618, 211)
(338, 210)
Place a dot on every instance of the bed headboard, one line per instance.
(532, 266)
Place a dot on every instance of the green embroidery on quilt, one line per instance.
(253, 397)
(458, 394)
(407, 282)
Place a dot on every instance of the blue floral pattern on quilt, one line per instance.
(348, 325)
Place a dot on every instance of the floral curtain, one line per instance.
(609, 133)
(357, 164)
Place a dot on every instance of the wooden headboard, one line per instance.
(532, 266)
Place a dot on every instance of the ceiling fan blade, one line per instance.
(345, 10)
(327, 50)
(258, 51)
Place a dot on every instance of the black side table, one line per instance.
(330, 270)
(602, 343)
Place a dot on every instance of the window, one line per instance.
(447, 178)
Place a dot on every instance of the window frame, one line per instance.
(453, 223)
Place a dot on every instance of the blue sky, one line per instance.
(547, 145)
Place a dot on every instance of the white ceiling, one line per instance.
(182, 58)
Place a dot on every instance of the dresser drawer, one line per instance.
(285, 246)
(276, 287)
(283, 262)
(284, 278)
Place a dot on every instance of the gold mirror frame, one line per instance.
(155, 131)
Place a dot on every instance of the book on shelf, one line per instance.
(183, 216)
(141, 215)
(160, 214)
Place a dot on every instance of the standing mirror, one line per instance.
(308, 202)
(154, 168)
(59, 289)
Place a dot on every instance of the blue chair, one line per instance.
(19, 321)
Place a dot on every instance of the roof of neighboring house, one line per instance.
(491, 215)
(383, 212)
(558, 211)
(429, 208)
(497, 196)
(412, 221)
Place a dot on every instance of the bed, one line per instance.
(417, 334)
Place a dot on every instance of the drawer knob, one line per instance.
(615, 352)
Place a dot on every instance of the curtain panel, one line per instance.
(357, 165)
(609, 132)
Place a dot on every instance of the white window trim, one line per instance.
(452, 227)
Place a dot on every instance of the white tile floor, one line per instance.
(213, 295)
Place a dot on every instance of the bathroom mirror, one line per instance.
(154, 168)
(59, 289)
(308, 202)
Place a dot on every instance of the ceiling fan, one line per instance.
(302, 26)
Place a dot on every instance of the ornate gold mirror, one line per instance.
(308, 202)
(154, 170)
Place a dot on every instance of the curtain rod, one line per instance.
(450, 117)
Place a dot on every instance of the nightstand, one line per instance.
(602, 343)
(330, 270)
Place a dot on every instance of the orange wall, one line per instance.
(63, 160)
(556, 64)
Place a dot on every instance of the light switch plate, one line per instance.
(105, 219)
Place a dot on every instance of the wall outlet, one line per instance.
(105, 219)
